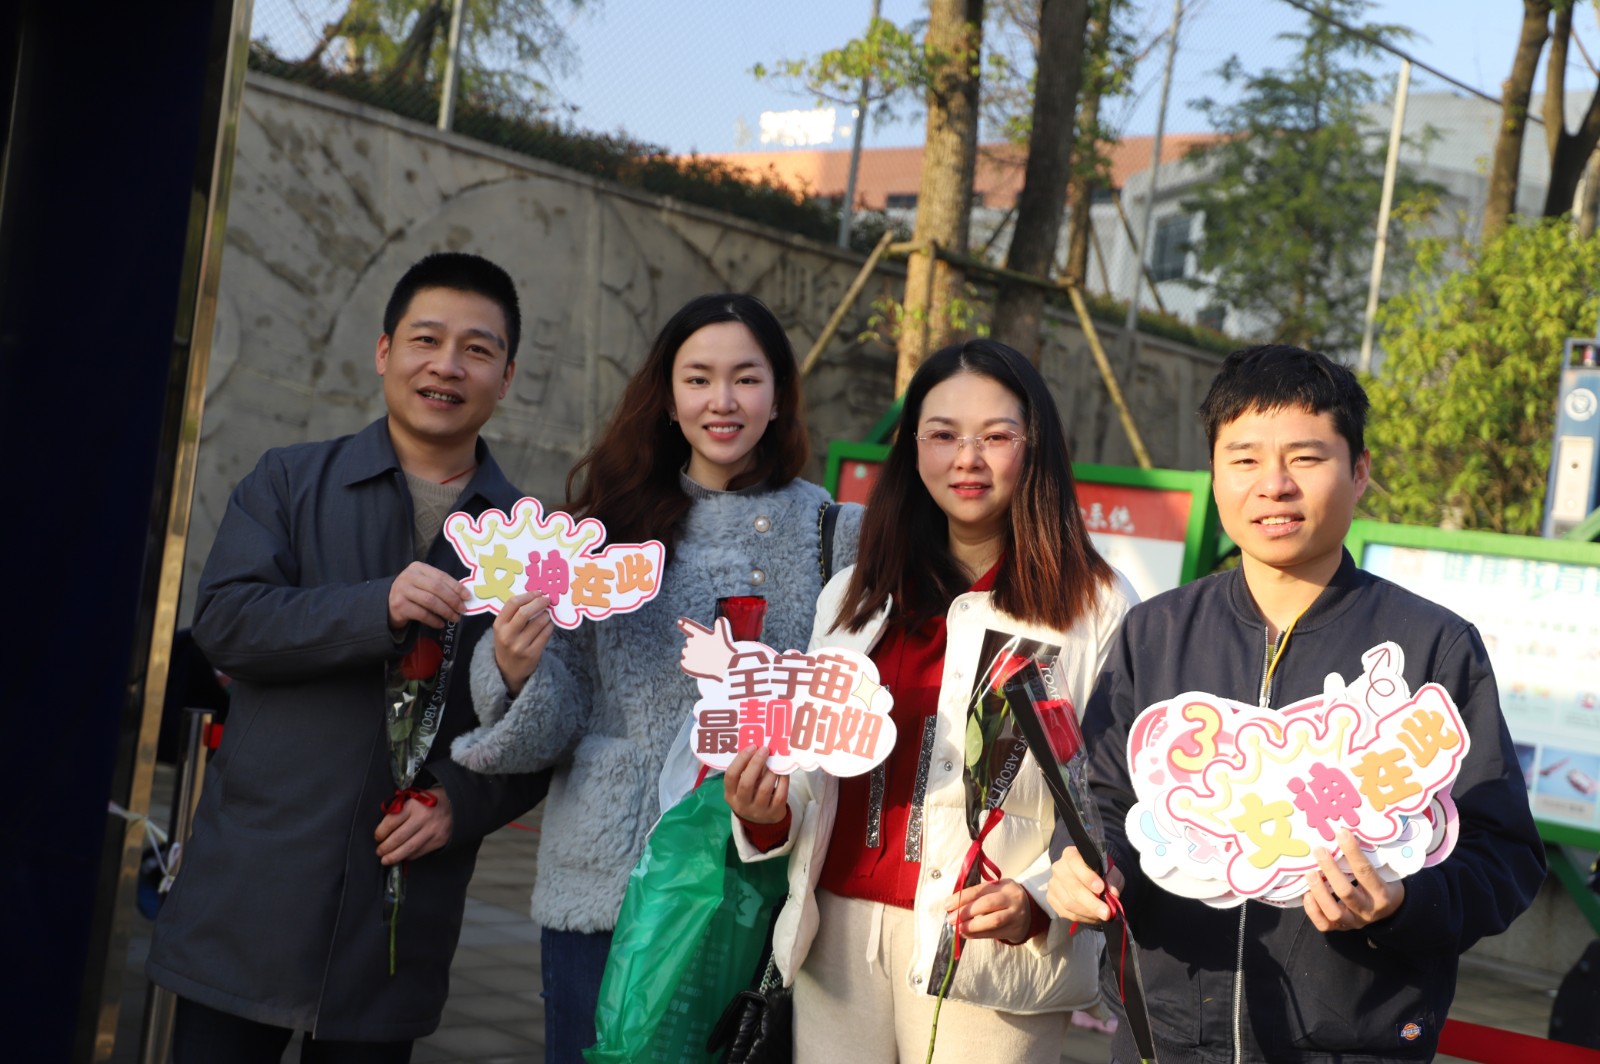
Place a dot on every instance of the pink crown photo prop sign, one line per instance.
(528, 550)
(1233, 798)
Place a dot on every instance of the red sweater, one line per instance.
(911, 665)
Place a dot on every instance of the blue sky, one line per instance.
(678, 74)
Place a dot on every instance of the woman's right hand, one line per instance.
(520, 634)
(755, 793)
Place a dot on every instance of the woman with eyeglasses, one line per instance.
(973, 528)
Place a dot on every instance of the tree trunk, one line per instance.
(1571, 156)
(331, 31)
(1589, 209)
(1569, 152)
(412, 59)
(1514, 94)
(944, 199)
(1080, 187)
(1019, 310)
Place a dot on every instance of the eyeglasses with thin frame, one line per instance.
(947, 444)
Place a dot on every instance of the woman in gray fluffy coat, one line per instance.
(701, 453)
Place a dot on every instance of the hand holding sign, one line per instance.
(824, 710)
(521, 633)
(1240, 802)
(553, 555)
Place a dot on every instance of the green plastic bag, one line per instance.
(690, 934)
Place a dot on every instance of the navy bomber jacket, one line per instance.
(1260, 983)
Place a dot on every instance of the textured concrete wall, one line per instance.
(332, 201)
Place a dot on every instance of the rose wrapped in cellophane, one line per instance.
(993, 753)
(416, 686)
(1037, 697)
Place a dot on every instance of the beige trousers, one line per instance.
(852, 1001)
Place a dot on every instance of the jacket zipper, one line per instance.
(1263, 697)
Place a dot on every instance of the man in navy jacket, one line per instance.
(1363, 969)
(329, 593)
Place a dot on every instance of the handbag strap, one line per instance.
(827, 517)
(771, 978)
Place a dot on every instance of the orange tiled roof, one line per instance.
(898, 171)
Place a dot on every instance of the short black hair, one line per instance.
(463, 273)
(1279, 377)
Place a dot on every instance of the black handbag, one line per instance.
(757, 1027)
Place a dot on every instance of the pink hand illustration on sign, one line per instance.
(821, 710)
(528, 550)
(1233, 798)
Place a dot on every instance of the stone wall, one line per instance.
(332, 200)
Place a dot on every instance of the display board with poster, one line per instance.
(1157, 526)
(1536, 603)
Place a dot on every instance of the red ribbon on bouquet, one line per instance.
(396, 801)
(1119, 914)
(988, 871)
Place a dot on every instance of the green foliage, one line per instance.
(1464, 406)
(764, 199)
(1107, 75)
(1291, 199)
(503, 44)
(971, 316)
(890, 58)
(896, 64)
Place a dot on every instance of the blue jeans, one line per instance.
(572, 963)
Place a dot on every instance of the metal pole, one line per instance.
(161, 1004)
(1380, 246)
(856, 134)
(1130, 327)
(452, 68)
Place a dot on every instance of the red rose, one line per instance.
(1005, 668)
(1060, 722)
(422, 661)
(745, 615)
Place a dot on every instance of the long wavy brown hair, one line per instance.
(1051, 573)
(629, 479)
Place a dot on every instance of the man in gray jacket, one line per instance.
(330, 596)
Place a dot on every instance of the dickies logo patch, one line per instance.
(1411, 1032)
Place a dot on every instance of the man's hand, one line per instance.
(1335, 902)
(991, 910)
(1076, 893)
(755, 793)
(423, 593)
(416, 830)
(520, 634)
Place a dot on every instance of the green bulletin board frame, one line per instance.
(842, 451)
(1569, 868)
(1200, 538)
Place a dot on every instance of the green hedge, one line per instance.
(704, 182)
(1114, 311)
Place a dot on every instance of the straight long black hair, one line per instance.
(1051, 574)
